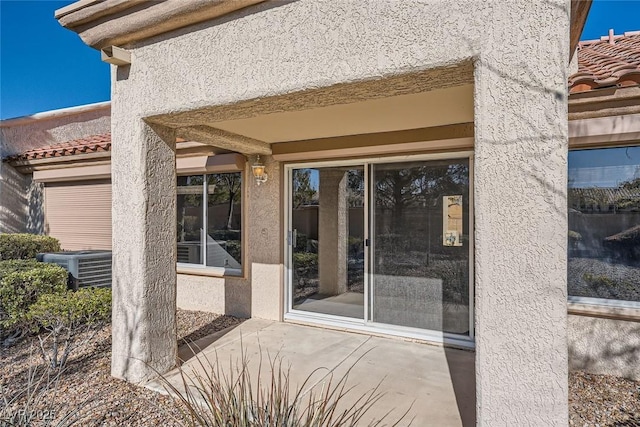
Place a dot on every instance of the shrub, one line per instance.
(65, 316)
(301, 242)
(234, 248)
(596, 280)
(306, 262)
(22, 282)
(25, 246)
(225, 234)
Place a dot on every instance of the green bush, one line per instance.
(225, 234)
(65, 316)
(596, 280)
(25, 246)
(234, 248)
(306, 261)
(301, 242)
(22, 282)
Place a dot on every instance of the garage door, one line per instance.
(79, 214)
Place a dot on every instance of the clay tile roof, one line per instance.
(612, 61)
(90, 144)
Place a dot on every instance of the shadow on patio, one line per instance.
(437, 383)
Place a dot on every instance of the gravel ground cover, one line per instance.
(87, 381)
(603, 400)
(622, 278)
(594, 400)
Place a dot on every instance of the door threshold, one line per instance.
(385, 331)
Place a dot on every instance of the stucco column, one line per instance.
(333, 231)
(144, 248)
(263, 240)
(520, 187)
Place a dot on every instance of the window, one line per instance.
(604, 224)
(210, 221)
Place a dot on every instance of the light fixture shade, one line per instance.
(259, 171)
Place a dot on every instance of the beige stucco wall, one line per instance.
(604, 346)
(519, 51)
(200, 293)
(231, 296)
(21, 202)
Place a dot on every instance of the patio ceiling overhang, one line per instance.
(428, 105)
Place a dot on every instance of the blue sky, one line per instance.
(45, 67)
(603, 168)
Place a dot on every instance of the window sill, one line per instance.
(221, 272)
(607, 309)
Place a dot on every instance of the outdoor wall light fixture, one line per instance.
(259, 171)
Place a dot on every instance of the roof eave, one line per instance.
(120, 22)
(579, 12)
(54, 114)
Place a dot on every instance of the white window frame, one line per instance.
(364, 325)
(202, 268)
(600, 306)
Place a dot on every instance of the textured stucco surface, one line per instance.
(519, 52)
(21, 202)
(263, 240)
(604, 346)
(200, 293)
(144, 249)
(220, 295)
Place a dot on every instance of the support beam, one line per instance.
(223, 139)
(333, 231)
(520, 214)
(144, 249)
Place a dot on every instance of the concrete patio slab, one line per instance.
(437, 383)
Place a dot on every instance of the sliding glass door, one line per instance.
(420, 252)
(383, 244)
(327, 240)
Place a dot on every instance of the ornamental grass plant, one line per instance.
(213, 396)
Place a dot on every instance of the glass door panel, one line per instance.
(420, 245)
(327, 240)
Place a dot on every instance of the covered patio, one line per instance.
(436, 384)
(375, 87)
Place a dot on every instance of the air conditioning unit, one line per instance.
(86, 268)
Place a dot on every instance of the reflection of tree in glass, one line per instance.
(355, 188)
(630, 198)
(303, 191)
(227, 188)
(398, 189)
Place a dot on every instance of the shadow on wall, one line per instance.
(13, 203)
(604, 346)
(35, 219)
